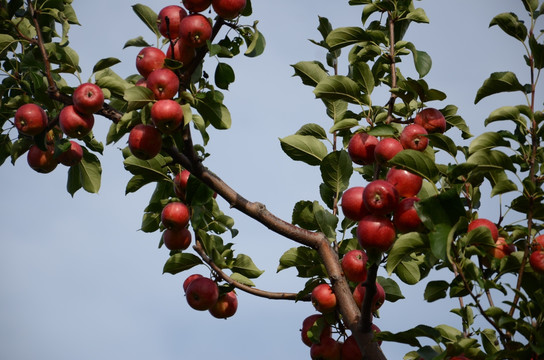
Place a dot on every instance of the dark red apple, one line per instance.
(376, 233)
(484, 222)
(72, 156)
(164, 83)
(148, 60)
(175, 239)
(327, 349)
(406, 218)
(195, 30)
(352, 204)
(197, 5)
(380, 197)
(307, 324)
(536, 260)
(228, 9)
(377, 300)
(189, 279)
(386, 149)
(170, 29)
(413, 137)
(145, 141)
(226, 306)
(75, 124)
(175, 215)
(41, 161)
(180, 183)
(406, 183)
(354, 265)
(361, 148)
(182, 53)
(350, 349)
(30, 119)
(459, 357)
(88, 98)
(323, 298)
(432, 120)
(167, 115)
(202, 293)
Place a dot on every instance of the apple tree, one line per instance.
(423, 177)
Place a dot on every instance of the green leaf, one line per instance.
(491, 159)
(436, 290)
(242, 279)
(392, 289)
(152, 169)
(418, 15)
(306, 260)
(405, 245)
(105, 63)
(224, 75)
(443, 142)
(137, 42)
(304, 215)
(499, 82)
(90, 172)
(245, 266)
(257, 45)
(310, 72)
(416, 162)
(74, 183)
(180, 262)
(362, 74)
(422, 60)
(213, 110)
(314, 130)
(490, 341)
(148, 16)
(345, 36)
(500, 182)
(336, 169)
(138, 97)
(511, 25)
(408, 271)
(506, 113)
(338, 87)
(487, 140)
(303, 148)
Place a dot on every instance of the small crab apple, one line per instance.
(354, 265)
(170, 28)
(189, 279)
(180, 183)
(407, 184)
(432, 120)
(175, 239)
(148, 60)
(167, 115)
(352, 204)
(501, 248)
(487, 223)
(307, 324)
(202, 293)
(195, 30)
(88, 98)
(413, 137)
(225, 306)
(377, 300)
(30, 119)
(41, 161)
(228, 9)
(361, 148)
(380, 197)
(405, 217)
(145, 141)
(197, 5)
(182, 53)
(164, 83)
(327, 349)
(72, 156)
(323, 298)
(376, 233)
(175, 215)
(386, 149)
(536, 260)
(75, 124)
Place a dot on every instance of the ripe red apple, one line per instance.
(167, 115)
(228, 9)
(538, 243)
(182, 53)
(175, 239)
(327, 349)
(361, 148)
(88, 98)
(501, 248)
(226, 306)
(41, 161)
(326, 331)
(189, 279)
(377, 300)
(197, 5)
(195, 30)
(180, 183)
(175, 215)
(354, 265)
(75, 124)
(386, 149)
(406, 218)
(412, 137)
(350, 349)
(323, 298)
(432, 120)
(352, 204)
(484, 222)
(380, 197)
(536, 260)
(145, 141)
(141, 82)
(376, 233)
(202, 293)
(175, 14)
(30, 119)
(406, 183)
(148, 60)
(164, 83)
(72, 156)
(459, 357)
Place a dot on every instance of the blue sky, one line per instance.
(79, 281)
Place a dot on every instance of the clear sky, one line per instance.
(79, 281)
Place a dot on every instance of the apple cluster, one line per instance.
(75, 121)
(203, 294)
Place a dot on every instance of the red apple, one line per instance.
(327, 349)
(145, 141)
(380, 197)
(459, 357)
(350, 349)
(412, 137)
(195, 30)
(180, 183)
(175, 215)
(167, 115)
(228, 9)
(323, 298)
(225, 307)
(170, 29)
(406, 218)
(501, 248)
(88, 98)
(536, 260)
(41, 161)
(484, 222)
(538, 243)
(72, 156)
(406, 183)
(361, 148)
(164, 83)
(197, 5)
(352, 204)
(386, 149)
(376, 233)
(182, 53)
(189, 279)
(307, 324)
(141, 82)
(30, 119)
(354, 265)
(202, 293)
(432, 120)
(148, 60)
(377, 300)
(75, 124)
(175, 239)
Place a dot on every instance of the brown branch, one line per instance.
(391, 23)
